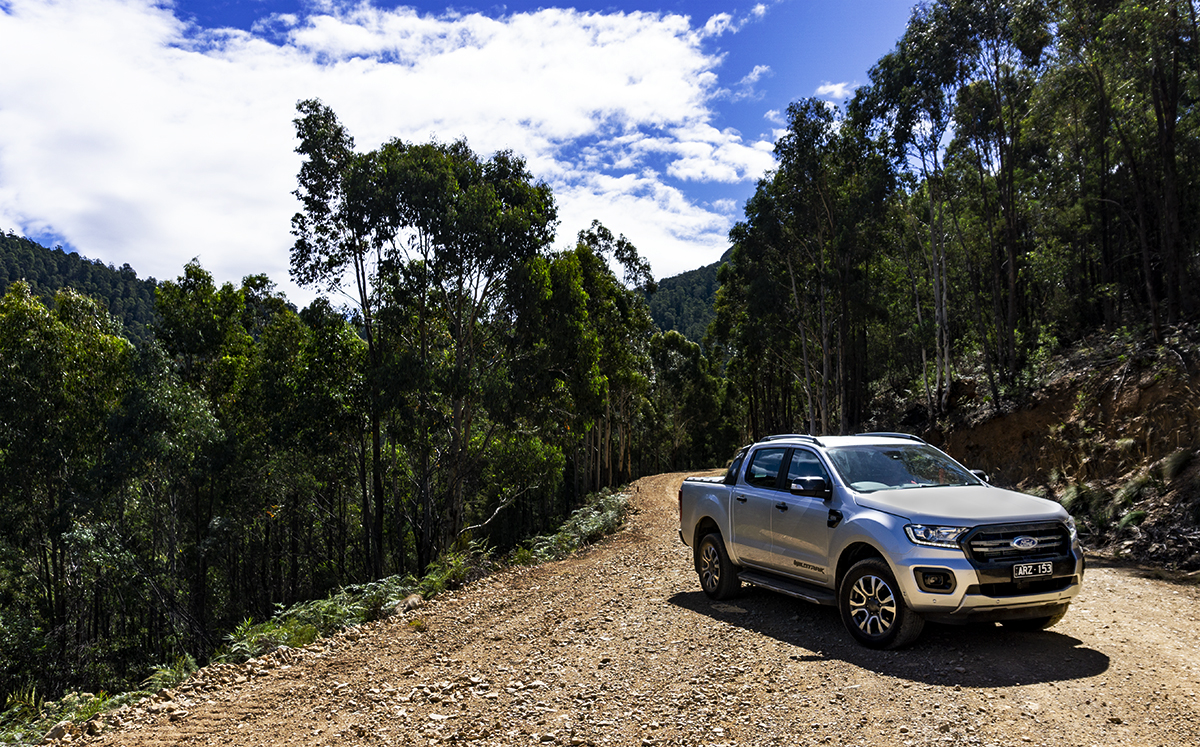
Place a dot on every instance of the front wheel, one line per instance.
(873, 609)
(718, 576)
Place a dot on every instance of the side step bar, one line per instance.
(797, 589)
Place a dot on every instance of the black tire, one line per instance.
(718, 575)
(1034, 624)
(873, 609)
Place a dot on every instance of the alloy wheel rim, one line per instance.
(872, 606)
(710, 567)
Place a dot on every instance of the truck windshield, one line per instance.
(892, 467)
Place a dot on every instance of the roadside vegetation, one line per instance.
(1017, 183)
(27, 715)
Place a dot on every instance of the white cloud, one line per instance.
(836, 91)
(675, 234)
(755, 75)
(719, 24)
(745, 87)
(146, 140)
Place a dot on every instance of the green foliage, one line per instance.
(1132, 491)
(1131, 518)
(685, 303)
(26, 717)
(1093, 506)
(1175, 463)
(22, 705)
(1015, 176)
(170, 675)
(47, 271)
(447, 572)
(602, 515)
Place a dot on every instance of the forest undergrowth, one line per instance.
(26, 716)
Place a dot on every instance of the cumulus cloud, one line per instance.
(141, 138)
(836, 91)
(723, 23)
(719, 24)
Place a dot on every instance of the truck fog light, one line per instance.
(935, 580)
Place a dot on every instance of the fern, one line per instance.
(170, 675)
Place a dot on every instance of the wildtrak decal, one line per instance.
(808, 566)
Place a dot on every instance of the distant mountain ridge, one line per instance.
(129, 299)
(685, 302)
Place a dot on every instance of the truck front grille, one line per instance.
(994, 544)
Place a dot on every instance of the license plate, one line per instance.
(1032, 570)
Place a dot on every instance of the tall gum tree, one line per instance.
(337, 233)
(457, 229)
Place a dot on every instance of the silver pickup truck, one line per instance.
(888, 528)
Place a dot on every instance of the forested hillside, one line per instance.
(46, 271)
(1013, 175)
(154, 496)
(686, 302)
(1014, 178)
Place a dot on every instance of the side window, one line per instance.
(805, 463)
(734, 466)
(764, 467)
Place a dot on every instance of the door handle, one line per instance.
(781, 506)
(741, 499)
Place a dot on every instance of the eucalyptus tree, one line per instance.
(458, 227)
(833, 183)
(620, 316)
(63, 374)
(1142, 60)
(911, 99)
(339, 231)
(769, 312)
(686, 397)
(1004, 49)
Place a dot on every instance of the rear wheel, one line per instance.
(718, 576)
(873, 609)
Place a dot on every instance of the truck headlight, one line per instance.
(924, 534)
(1071, 528)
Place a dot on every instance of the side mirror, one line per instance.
(816, 487)
(981, 475)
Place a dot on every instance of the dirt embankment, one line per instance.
(618, 646)
(1113, 435)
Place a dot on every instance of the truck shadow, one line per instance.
(981, 655)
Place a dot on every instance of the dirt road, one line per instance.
(620, 647)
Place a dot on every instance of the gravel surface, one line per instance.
(619, 646)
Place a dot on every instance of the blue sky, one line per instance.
(154, 133)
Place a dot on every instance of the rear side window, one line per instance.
(764, 467)
(732, 472)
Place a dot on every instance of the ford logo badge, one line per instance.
(1024, 542)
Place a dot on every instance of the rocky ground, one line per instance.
(619, 646)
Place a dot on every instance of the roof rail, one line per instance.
(888, 434)
(800, 436)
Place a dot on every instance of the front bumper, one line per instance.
(986, 595)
